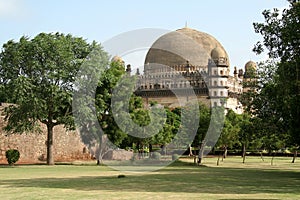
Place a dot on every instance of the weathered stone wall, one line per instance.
(32, 146)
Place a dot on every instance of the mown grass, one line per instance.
(182, 180)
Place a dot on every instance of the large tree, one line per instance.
(37, 76)
(281, 39)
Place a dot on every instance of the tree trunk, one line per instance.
(201, 151)
(272, 160)
(99, 156)
(295, 156)
(138, 149)
(102, 149)
(150, 150)
(190, 150)
(261, 156)
(218, 161)
(244, 153)
(225, 152)
(50, 159)
(100, 159)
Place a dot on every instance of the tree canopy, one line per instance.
(279, 97)
(37, 76)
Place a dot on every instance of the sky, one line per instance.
(230, 21)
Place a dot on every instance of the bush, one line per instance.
(12, 156)
(175, 156)
(156, 155)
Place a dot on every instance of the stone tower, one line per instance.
(218, 72)
(249, 75)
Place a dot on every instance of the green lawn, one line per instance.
(230, 180)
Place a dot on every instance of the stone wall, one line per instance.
(32, 146)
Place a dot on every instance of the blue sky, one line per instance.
(229, 21)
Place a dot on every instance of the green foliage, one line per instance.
(186, 121)
(169, 130)
(38, 77)
(278, 101)
(109, 80)
(204, 121)
(280, 33)
(2, 93)
(231, 130)
(38, 74)
(12, 156)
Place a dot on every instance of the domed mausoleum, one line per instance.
(176, 47)
(187, 58)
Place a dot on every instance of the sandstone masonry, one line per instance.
(32, 146)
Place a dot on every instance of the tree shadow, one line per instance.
(177, 179)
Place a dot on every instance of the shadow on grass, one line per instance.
(178, 177)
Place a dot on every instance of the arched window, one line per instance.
(215, 93)
(215, 83)
(221, 72)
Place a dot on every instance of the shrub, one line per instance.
(12, 156)
(156, 155)
(175, 156)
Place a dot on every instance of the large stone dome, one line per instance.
(182, 45)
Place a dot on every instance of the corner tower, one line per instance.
(218, 72)
(249, 76)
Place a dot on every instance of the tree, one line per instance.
(230, 133)
(38, 75)
(281, 37)
(92, 101)
(108, 81)
(246, 133)
(170, 128)
(204, 120)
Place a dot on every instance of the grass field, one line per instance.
(230, 180)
